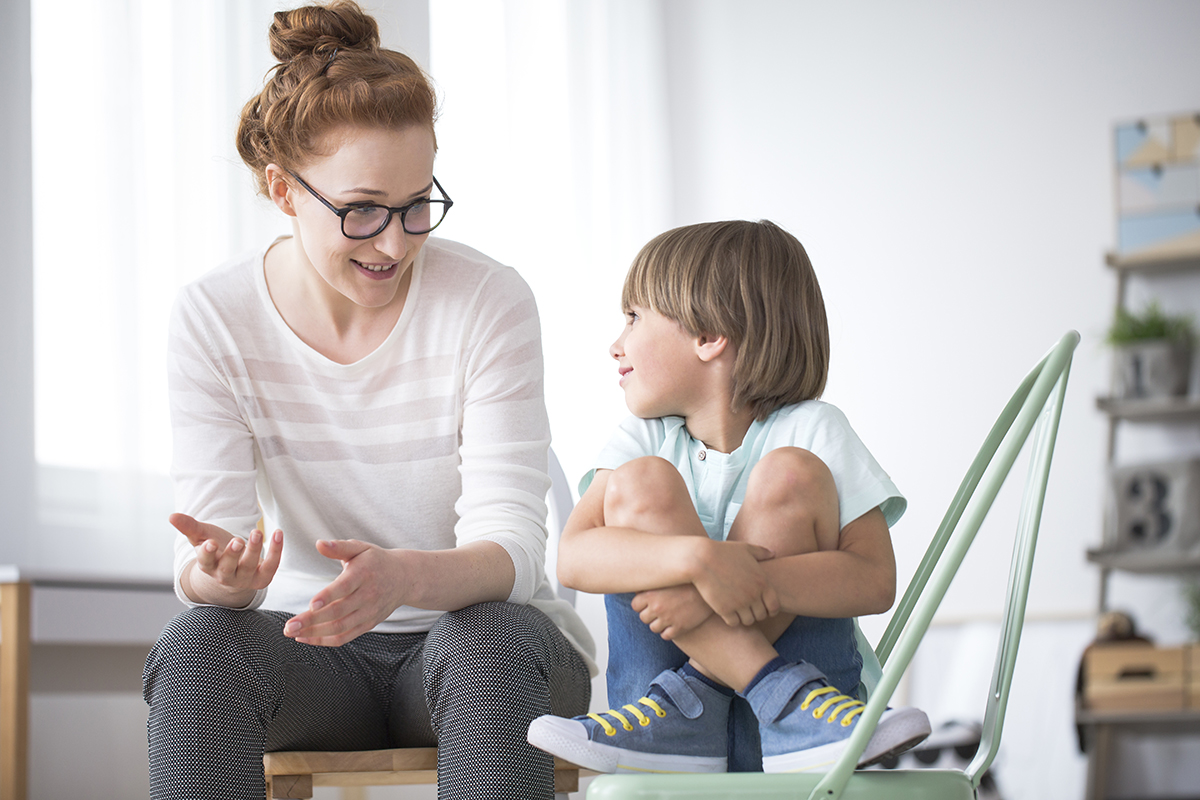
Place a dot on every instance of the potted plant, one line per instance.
(1191, 595)
(1152, 353)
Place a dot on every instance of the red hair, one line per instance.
(331, 72)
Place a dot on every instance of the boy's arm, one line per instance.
(601, 559)
(857, 579)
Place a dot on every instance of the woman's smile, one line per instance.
(378, 272)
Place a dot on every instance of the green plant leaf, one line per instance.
(1152, 323)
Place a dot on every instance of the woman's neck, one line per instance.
(323, 318)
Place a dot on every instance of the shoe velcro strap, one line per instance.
(774, 692)
(680, 693)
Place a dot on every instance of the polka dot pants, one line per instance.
(226, 686)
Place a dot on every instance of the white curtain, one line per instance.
(553, 142)
(137, 190)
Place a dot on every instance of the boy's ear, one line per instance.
(709, 347)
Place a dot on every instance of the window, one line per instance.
(137, 190)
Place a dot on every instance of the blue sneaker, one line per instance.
(679, 726)
(805, 723)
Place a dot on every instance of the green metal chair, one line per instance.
(1035, 408)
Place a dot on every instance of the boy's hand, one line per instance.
(733, 585)
(673, 611)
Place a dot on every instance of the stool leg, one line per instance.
(290, 787)
(14, 690)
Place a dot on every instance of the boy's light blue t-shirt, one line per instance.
(717, 481)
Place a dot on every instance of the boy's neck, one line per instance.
(720, 429)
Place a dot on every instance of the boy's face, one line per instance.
(658, 364)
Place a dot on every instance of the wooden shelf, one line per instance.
(1145, 562)
(1144, 721)
(1165, 409)
(1182, 262)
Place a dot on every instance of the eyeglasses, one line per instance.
(364, 220)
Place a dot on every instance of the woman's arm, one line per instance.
(375, 582)
(214, 472)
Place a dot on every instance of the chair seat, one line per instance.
(292, 774)
(897, 784)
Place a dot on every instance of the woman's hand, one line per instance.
(366, 593)
(228, 570)
(672, 612)
(730, 580)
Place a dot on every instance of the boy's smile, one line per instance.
(658, 365)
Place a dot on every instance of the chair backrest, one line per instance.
(560, 506)
(1034, 408)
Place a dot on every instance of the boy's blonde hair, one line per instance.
(751, 282)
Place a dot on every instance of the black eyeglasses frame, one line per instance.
(342, 213)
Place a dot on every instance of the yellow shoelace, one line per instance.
(840, 702)
(642, 719)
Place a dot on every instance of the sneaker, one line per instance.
(679, 726)
(805, 723)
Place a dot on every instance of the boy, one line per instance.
(735, 523)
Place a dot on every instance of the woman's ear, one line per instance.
(279, 189)
(710, 347)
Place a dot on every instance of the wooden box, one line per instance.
(1135, 677)
(1192, 676)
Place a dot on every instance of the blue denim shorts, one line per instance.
(636, 655)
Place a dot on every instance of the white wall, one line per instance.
(16, 284)
(949, 167)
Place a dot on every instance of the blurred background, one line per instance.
(948, 166)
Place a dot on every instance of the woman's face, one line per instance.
(365, 165)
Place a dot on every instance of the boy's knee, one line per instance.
(644, 485)
(788, 476)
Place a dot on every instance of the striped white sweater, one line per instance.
(437, 438)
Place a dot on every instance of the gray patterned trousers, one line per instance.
(225, 686)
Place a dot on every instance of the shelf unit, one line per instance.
(1153, 410)
(1101, 728)
(1171, 409)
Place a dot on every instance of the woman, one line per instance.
(375, 395)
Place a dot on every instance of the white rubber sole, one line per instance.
(898, 730)
(568, 739)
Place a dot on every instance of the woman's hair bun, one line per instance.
(319, 30)
(332, 72)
